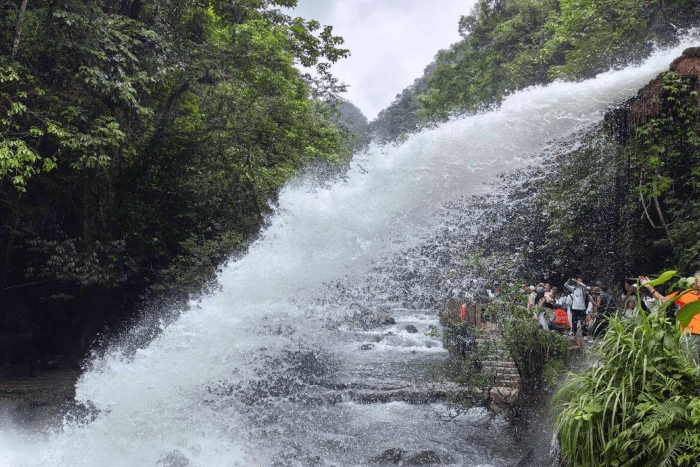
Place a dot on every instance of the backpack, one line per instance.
(561, 318)
(607, 303)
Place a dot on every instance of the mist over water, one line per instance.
(221, 385)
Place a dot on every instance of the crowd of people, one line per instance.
(580, 308)
(576, 309)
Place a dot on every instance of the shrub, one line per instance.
(539, 355)
(638, 403)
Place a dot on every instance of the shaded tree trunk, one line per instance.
(18, 28)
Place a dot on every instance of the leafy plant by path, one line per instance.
(638, 403)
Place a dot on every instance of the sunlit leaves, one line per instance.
(174, 120)
(19, 161)
(663, 278)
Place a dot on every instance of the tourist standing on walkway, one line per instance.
(530, 290)
(579, 303)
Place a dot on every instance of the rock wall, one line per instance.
(622, 121)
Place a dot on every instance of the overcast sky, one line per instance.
(391, 42)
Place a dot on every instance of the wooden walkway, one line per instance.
(498, 364)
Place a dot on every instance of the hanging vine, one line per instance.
(666, 159)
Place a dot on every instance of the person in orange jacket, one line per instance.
(689, 295)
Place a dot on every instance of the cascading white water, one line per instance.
(183, 392)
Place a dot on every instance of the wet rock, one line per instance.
(298, 457)
(411, 329)
(369, 318)
(390, 456)
(174, 459)
(367, 346)
(383, 318)
(648, 103)
(429, 344)
(424, 458)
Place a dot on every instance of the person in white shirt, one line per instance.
(579, 303)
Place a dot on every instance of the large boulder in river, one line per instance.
(390, 456)
(411, 329)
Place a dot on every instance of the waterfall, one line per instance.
(216, 386)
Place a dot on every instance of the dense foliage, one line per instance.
(508, 45)
(142, 141)
(665, 160)
(622, 207)
(637, 404)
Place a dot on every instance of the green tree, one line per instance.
(499, 53)
(508, 45)
(141, 141)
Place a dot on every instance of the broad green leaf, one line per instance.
(687, 313)
(662, 278)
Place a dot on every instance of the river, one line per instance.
(271, 367)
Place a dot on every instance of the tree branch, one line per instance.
(18, 29)
(661, 216)
(641, 199)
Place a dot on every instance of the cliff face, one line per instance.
(622, 121)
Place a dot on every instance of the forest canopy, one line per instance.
(142, 141)
(508, 45)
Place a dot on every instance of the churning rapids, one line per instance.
(270, 368)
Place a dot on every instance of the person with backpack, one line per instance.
(605, 308)
(564, 302)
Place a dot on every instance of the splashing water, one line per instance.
(218, 386)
